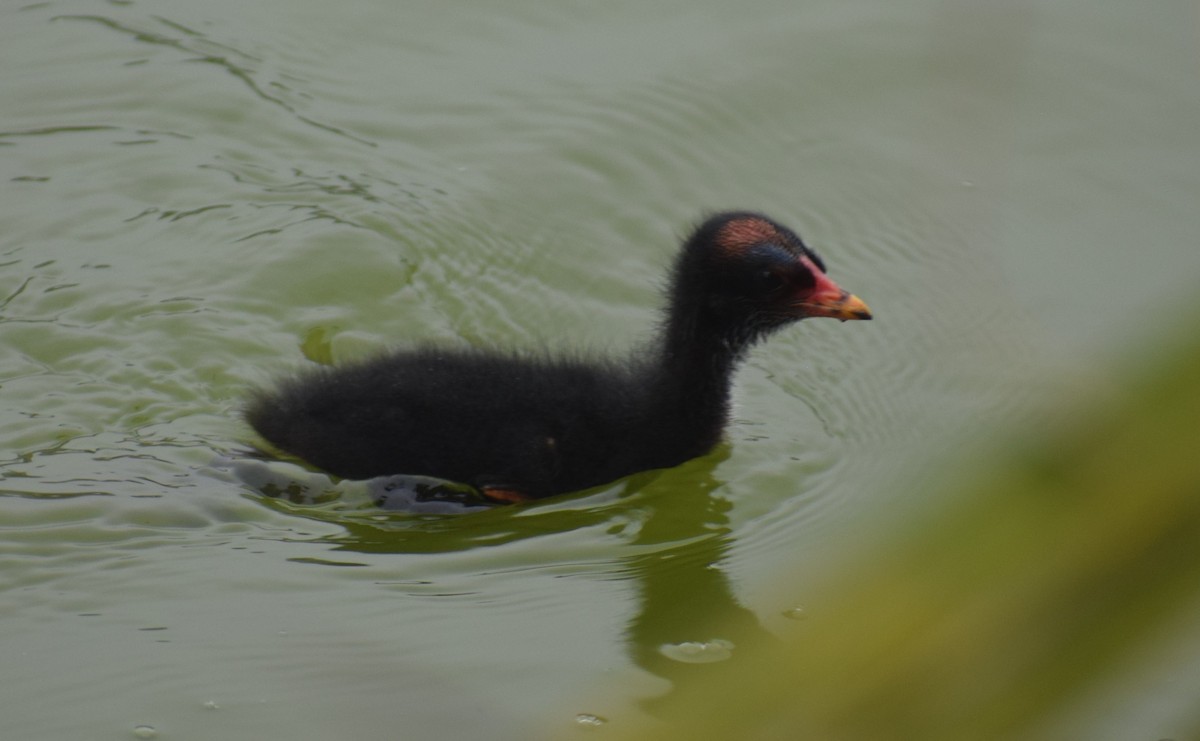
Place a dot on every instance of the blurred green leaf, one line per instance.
(1007, 612)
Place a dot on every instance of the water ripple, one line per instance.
(201, 50)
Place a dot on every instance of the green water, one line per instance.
(198, 197)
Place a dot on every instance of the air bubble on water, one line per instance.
(698, 652)
(587, 720)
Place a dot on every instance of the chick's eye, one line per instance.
(769, 280)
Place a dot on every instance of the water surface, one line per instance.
(197, 198)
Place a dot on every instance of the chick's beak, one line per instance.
(829, 299)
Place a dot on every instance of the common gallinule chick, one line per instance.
(527, 426)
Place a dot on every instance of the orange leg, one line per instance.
(504, 496)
